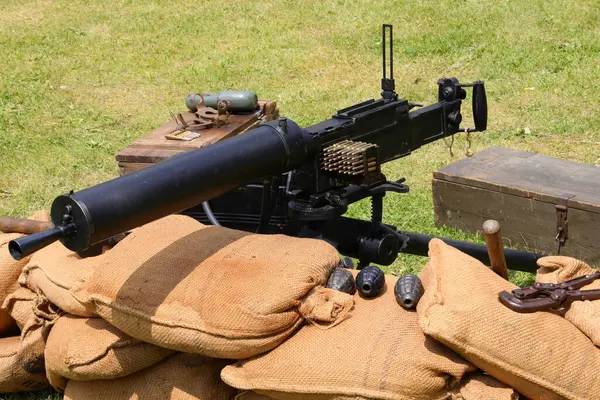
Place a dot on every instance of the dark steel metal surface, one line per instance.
(418, 244)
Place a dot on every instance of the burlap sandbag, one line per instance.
(90, 348)
(541, 355)
(52, 271)
(251, 395)
(583, 314)
(22, 358)
(21, 305)
(379, 352)
(210, 290)
(179, 377)
(479, 386)
(10, 269)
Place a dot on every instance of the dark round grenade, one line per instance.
(370, 281)
(341, 279)
(347, 263)
(408, 291)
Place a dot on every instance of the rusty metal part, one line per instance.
(222, 109)
(550, 296)
(562, 226)
(19, 225)
(468, 152)
(207, 118)
(214, 116)
(493, 242)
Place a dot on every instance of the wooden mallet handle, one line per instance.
(18, 225)
(493, 242)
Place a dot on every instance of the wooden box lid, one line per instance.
(528, 175)
(155, 147)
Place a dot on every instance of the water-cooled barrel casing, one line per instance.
(181, 182)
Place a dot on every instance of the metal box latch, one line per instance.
(562, 227)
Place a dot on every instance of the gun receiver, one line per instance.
(328, 165)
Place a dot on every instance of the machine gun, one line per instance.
(327, 167)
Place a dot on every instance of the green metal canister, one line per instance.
(237, 100)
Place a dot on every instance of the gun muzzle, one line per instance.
(22, 247)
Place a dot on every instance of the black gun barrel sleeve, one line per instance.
(115, 206)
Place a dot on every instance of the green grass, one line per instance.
(80, 80)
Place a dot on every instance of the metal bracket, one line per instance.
(562, 227)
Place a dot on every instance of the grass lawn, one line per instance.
(80, 80)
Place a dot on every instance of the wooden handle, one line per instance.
(18, 225)
(493, 242)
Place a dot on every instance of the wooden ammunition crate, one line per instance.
(537, 199)
(156, 147)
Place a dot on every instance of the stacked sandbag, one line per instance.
(475, 386)
(541, 355)
(10, 269)
(213, 291)
(88, 349)
(179, 377)
(22, 357)
(379, 352)
(52, 271)
(585, 315)
(480, 386)
(21, 305)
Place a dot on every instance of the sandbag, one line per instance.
(179, 377)
(379, 352)
(20, 369)
(21, 305)
(10, 269)
(52, 271)
(541, 355)
(250, 395)
(208, 290)
(479, 386)
(22, 358)
(90, 348)
(585, 315)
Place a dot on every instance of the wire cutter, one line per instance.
(550, 296)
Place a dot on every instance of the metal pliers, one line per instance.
(550, 296)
